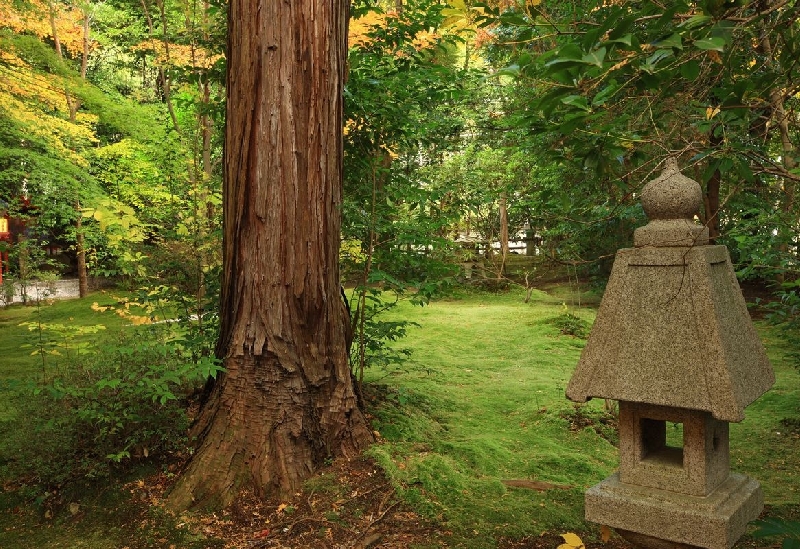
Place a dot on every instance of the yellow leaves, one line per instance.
(359, 34)
(38, 103)
(124, 311)
(350, 250)
(571, 541)
(137, 320)
(178, 55)
(359, 29)
(714, 56)
(711, 112)
(34, 19)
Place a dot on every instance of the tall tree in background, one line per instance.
(285, 402)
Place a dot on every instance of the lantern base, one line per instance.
(715, 521)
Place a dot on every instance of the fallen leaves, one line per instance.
(571, 541)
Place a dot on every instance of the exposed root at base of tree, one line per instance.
(348, 504)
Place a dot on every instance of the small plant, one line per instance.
(63, 341)
(570, 324)
(7, 290)
(373, 336)
(789, 530)
(785, 314)
(604, 423)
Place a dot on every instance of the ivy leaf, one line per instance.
(672, 41)
(595, 57)
(695, 21)
(569, 52)
(649, 66)
(578, 101)
(690, 70)
(605, 94)
(626, 39)
(715, 43)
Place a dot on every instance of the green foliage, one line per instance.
(106, 409)
(785, 314)
(101, 407)
(787, 530)
(63, 343)
(607, 90)
(395, 239)
(375, 335)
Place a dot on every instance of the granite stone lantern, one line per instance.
(674, 344)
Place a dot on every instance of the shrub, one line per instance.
(126, 403)
(571, 325)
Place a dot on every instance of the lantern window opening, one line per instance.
(662, 442)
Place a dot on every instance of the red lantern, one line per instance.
(5, 236)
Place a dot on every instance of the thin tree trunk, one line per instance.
(85, 56)
(711, 197)
(162, 74)
(503, 233)
(286, 401)
(80, 251)
(72, 103)
(54, 30)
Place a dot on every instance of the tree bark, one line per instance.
(51, 12)
(80, 251)
(86, 43)
(503, 233)
(72, 103)
(711, 197)
(285, 402)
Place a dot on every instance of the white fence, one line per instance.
(57, 289)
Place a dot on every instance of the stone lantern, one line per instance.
(674, 344)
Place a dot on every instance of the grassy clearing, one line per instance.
(482, 401)
(19, 358)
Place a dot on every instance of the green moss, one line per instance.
(485, 403)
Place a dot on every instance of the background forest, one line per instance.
(488, 144)
(467, 125)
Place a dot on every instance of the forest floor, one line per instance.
(350, 504)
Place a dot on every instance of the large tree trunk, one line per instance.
(286, 401)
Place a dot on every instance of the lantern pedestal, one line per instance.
(715, 521)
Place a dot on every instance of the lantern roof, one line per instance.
(673, 327)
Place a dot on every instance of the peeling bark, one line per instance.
(286, 401)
